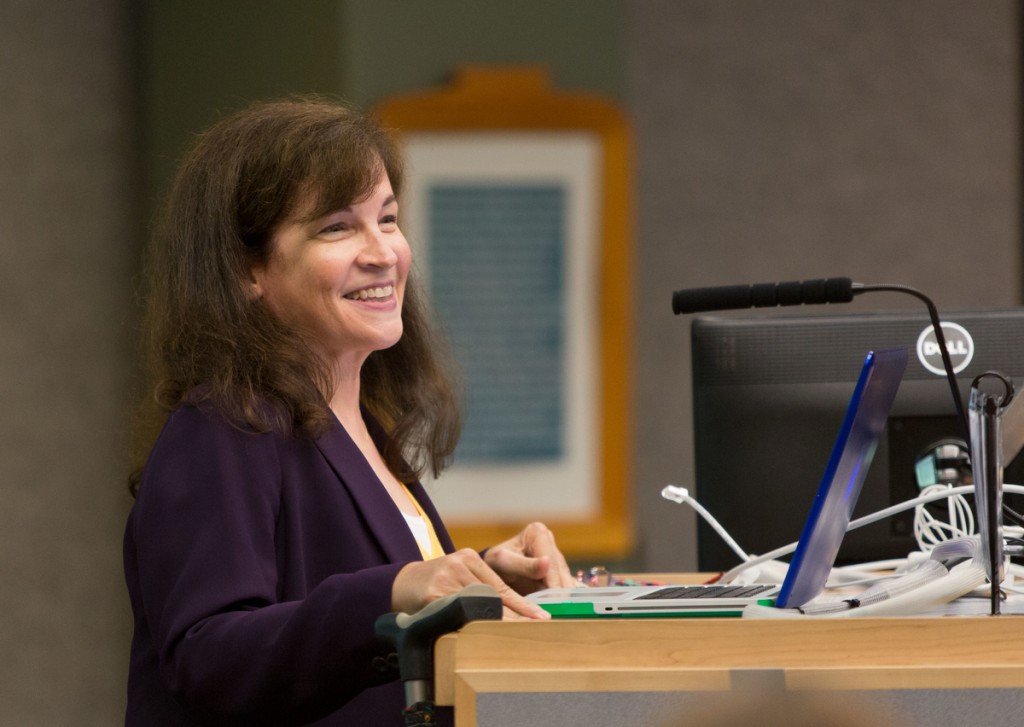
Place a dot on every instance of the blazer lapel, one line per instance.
(377, 507)
(416, 489)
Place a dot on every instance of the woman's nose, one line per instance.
(377, 252)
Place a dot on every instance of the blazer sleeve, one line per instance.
(207, 577)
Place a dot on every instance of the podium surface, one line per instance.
(716, 654)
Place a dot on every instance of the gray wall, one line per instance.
(201, 58)
(775, 140)
(803, 139)
(67, 241)
(582, 42)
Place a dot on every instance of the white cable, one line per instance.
(871, 567)
(681, 495)
(860, 522)
(930, 530)
(872, 571)
(961, 580)
(925, 572)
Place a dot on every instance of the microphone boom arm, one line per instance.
(940, 340)
(826, 290)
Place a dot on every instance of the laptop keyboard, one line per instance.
(747, 591)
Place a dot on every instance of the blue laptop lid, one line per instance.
(844, 476)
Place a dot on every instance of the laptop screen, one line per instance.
(840, 486)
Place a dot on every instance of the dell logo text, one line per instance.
(959, 344)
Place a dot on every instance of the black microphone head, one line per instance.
(763, 295)
(725, 297)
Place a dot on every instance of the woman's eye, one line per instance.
(334, 229)
(389, 221)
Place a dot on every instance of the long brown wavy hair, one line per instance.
(207, 341)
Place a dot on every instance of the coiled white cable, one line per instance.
(929, 530)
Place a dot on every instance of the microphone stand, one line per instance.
(940, 339)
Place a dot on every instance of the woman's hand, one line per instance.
(530, 561)
(424, 581)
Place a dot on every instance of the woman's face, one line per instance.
(340, 279)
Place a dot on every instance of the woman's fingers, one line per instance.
(558, 574)
(421, 582)
(531, 560)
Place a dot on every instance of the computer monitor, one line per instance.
(769, 392)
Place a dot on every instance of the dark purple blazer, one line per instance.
(256, 566)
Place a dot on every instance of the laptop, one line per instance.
(816, 551)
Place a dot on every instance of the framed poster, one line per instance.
(517, 204)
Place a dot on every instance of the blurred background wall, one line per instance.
(774, 140)
(69, 245)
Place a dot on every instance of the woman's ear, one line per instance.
(253, 284)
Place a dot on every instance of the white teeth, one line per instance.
(372, 293)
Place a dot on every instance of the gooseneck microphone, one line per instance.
(763, 295)
(811, 292)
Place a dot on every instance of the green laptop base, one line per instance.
(586, 610)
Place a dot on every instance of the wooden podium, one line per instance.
(958, 653)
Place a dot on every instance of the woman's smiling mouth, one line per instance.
(379, 293)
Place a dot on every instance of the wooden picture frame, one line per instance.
(508, 126)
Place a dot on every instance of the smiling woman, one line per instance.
(301, 394)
